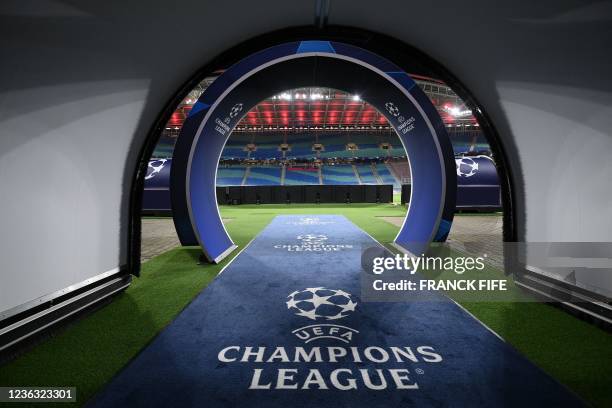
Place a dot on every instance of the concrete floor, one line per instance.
(475, 235)
(478, 235)
(159, 236)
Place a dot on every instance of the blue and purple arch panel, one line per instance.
(308, 64)
(477, 183)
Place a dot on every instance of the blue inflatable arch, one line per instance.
(307, 64)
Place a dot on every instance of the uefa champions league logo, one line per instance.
(310, 221)
(313, 243)
(322, 304)
(312, 239)
(392, 109)
(236, 109)
(317, 366)
(466, 167)
(155, 166)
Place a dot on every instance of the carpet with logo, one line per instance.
(284, 326)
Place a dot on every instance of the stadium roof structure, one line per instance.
(327, 109)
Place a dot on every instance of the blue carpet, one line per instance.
(293, 294)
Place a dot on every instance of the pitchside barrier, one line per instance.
(308, 194)
(483, 198)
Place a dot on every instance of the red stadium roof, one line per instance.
(324, 108)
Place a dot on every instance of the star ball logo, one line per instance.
(347, 368)
(155, 166)
(323, 305)
(392, 109)
(236, 109)
(466, 167)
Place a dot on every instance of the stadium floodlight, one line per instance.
(356, 98)
(456, 112)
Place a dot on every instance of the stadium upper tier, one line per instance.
(258, 175)
(302, 117)
(269, 145)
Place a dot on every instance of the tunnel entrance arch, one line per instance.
(301, 64)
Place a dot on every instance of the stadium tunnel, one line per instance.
(82, 111)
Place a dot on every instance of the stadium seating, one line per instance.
(302, 151)
(301, 145)
(362, 138)
(230, 176)
(481, 144)
(265, 152)
(301, 177)
(339, 174)
(264, 176)
(336, 151)
(371, 151)
(469, 141)
(401, 170)
(334, 142)
(334, 139)
(242, 138)
(462, 142)
(386, 177)
(234, 152)
(366, 174)
(267, 145)
(164, 147)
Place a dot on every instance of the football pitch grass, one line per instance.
(87, 353)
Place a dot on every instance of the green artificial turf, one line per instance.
(89, 352)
